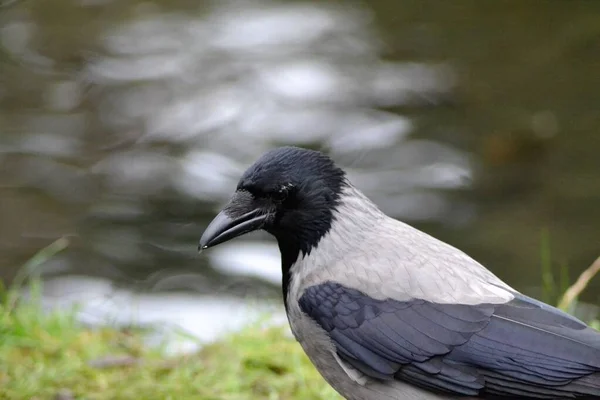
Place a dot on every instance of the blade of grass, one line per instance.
(548, 282)
(31, 267)
(564, 279)
(575, 290)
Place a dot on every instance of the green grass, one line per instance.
(44, 354)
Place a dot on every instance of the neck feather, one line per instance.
(354, 217)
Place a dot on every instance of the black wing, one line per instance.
(524, 348)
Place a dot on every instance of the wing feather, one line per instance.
(520, 348)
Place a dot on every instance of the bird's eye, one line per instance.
(281, 194)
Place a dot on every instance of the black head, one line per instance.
(289, 192)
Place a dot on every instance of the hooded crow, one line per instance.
(385, 311)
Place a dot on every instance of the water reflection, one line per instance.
(226, 85)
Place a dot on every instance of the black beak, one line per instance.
(224, 227)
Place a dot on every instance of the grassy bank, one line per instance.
(51, 356)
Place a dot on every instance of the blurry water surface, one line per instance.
(125, 125)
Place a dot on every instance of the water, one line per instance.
(126, 125)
